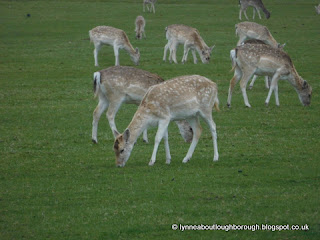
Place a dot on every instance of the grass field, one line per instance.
(56, 184)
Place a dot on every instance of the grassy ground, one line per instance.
(55, 184)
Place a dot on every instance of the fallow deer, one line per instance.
(261, 59)
(185, 97)
(256, 4)
(250, 32)
(121, 84)
(117, 38)
(140, 25)
(151, 2)
(190, 37)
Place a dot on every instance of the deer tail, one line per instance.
(96, 83)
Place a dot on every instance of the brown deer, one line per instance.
(117, 38)
(256, 4)
(185, 97)
(190, 37)
(261, 59)
(121, 84)
(140, 25)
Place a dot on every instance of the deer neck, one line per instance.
(138, 124)
(129, 48)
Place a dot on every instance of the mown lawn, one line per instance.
(56, 184)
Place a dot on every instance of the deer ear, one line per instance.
(137, 50)
(116, 133)
(212, 48)
(305, 84)
(126, 135)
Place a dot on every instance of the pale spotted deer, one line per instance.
(106, 35)
(140, 25)
(190, 38)
(185, 97)
(121, 84)
(261, 59)
(250, 32)
(256, 4)
(151, 3)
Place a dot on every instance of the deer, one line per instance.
(256, 4)
(251, 32)
(117, 85)
(317, 9)
(264, 60)
(140, 25)
(190, 37)
(106, 35)
(151, 2)
(186, 97)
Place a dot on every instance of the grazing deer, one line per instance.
(317, 8)
(140, 25)
(117, 38)
(251, 30)
(190, 37)
(120, 84)
(185, 97)
(261, 59)
(151, 2)
(256, 4)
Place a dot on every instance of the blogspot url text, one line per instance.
(237, 227)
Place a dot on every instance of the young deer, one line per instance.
(140, 25)
(151, 2)
(261, 59)
(185, 97)
(256, 4)
(117, 38)
(190, 37)
(119, 84)
(317, 9)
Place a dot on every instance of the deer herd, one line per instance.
(184, 99)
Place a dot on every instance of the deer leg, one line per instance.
(233, 82)
(258, 13)
(253, 13)
(195, 60)
(154, 10)
(145, 136)
(240, 13)
(196, 127)
(116, 54)
(253, 81)
(162, 129)
(274, 84)
(101, 107)
(185, 53)
(173, 52)
(267, 81)
(166, 144)
(166, 47)
(243, 84)
(97, 47)
(207, 117)
(111, 114)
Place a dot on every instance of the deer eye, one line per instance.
(121, 151)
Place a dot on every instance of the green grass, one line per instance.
(55, 184)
